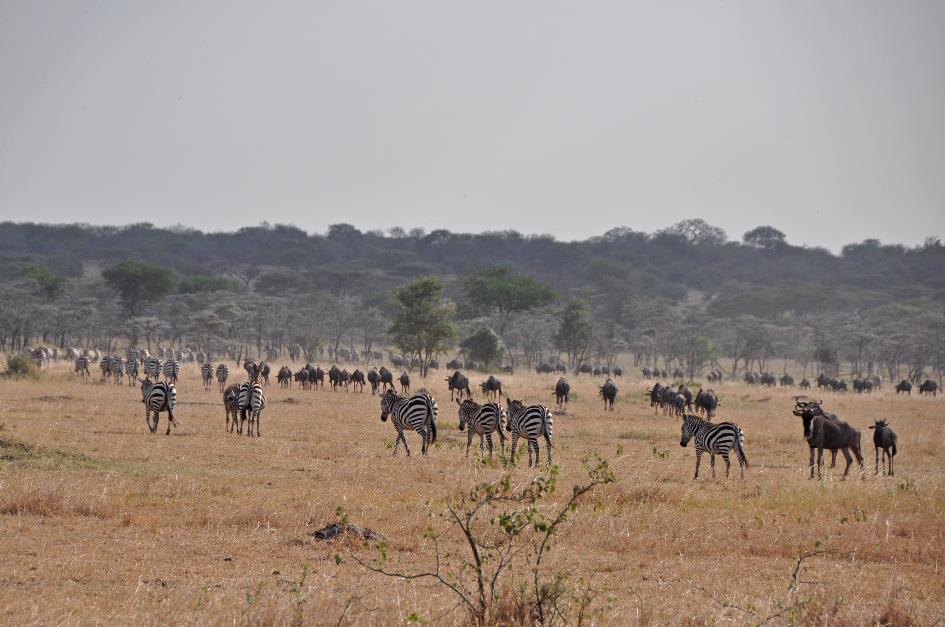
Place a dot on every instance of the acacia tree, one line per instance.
(139, 283)
(484, 347)
(423, 326)
(575, 333)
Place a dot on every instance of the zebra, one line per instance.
(222, 373)
(231, 405)
(482, 420)
(131, 369)
(158, 397)
(103, 365)
(171, 370)
(82, 366)
(153, 368)
(253, 400)
(714, 438)
(529, 422)
(206, 374)
(116, 369)
(417, 412)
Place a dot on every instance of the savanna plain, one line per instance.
(104, 522)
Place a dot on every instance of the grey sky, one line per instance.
(826, 119)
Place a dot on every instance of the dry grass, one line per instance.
(101, 521)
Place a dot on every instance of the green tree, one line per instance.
(484, 347)
(764, 237)
(575, 332)
(506, 292)
(50, 284)
(139, 283)
(423, 327)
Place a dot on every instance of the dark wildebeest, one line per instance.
(804, 384)
(647, 373)
(562, 390)
(264, 371)
(344, 379)
(387, 379)
(585, 369)
(823, 432)
(544, 368)
(453, 364)
(284, 377)
(301, 377)
(334, 377)
(404, 383)
(492, 388)
(656, 397)
(596, 371)
(768, 380)
(357, 380)
(706, 403)
(786, 380)
(823, 381)
(561, 368)
(618, 371)
(249, 366)
(316, 377)
(374, 379)
(929, 387)
(884, 438)
(458, 383)
(686, 393)
(608, 392)
(904, 387)
(679, 374)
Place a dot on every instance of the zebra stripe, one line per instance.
(152, 367)
(82, 366)
(529, 422)
(253, 400)
(157, 398)
(172, 370)
(222, 374)
(482, 420)
(206, 374)
(231, 405)
(714, 439)
(417, 412)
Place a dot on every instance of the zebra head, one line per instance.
(689, 427)
(388, 399)
(466, 410)
(514, 409)
(145, 387)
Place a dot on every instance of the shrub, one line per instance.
(21, 366)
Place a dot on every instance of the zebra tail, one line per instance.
(431, 418)
(548, 423)
(741, 446)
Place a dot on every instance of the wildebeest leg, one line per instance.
(698, 461)
(849, 458)
(811, 463)
(820, 463)
(877, 460)
(833, 458)
(888, 452)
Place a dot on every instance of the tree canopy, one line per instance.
(139, 283)
(423, 326)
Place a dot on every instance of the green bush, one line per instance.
(21, 366)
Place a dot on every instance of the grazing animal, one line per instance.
(608, 392)
(678, 373)
(929, 387)
(647, 373)
(264, 371)
(804, 384)
(374, 379)
(334, 377)
(786, 380)
(492, 388)
(251, 400)
(387, 379)
(131, 369)
(404, 380)
(707, 403)
(206, 375)
(417, 412)
(171, 370)
(884, 438)
(562, 390)
(459, 384)
(223, 373)
(714, 439)
(357, 380)
(904, 387)
(823, 432)
(82, 366)
(618, 371)
(284, 377)
(656, 397)
(158, 397)
(231, 405)
(529, 422)
(482, 420)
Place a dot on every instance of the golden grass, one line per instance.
(101, 521)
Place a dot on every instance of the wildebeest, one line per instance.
(714, 376)
(458, 383)
(904, 387)
(492, 388)
(823, 432)
(786, 380)
(686, 393)
(316, 377)
(647, 373)
(706, 403)
(596, 372)
(344, 378)
(387, 379)
(374, 379)
(656, 396)
(608, 392)
(454, 364)
(544, 368)
(404, 380)
(679, 374)
(884, 438)
(862, 385)
(804, 384)
(334, 377)
(929, 387)
(284, 377)
(264, 371)
(357, 380)
(585, 369)
(562, 390)
(618, 371)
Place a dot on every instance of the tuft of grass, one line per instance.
(15, 452)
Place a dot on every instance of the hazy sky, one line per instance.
(825, 119)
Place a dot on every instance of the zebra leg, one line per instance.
(170, 421)
(728, 464)
(258, 416)
(698, 461)
(469, 435)
(396, 442)
(512, 450)
(712, 463)
(489, 441)
(425, 442)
